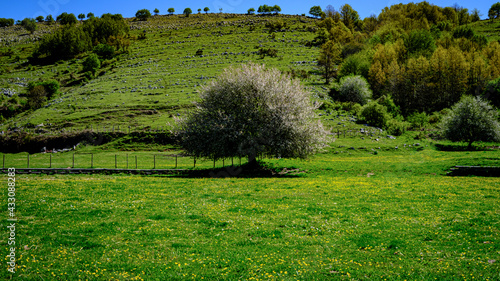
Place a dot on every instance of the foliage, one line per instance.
(206, 10)
(348, 16)
(29, 25)
(49, 19)
(329, 57)
(143, 14)
(40, 19)
(187, 12)
(315, 11)
(357, 64)
(104, 51)
(419, 42)
(37, 97)
(494, 11)
(156, 11)
(374, 114)
(64, 43)
(471, 119)
(6, 22)
(268, 52)
(389, 104)
(72, 40)
(353, 89)
(492, 92)
(396, 127)
(91, 64)
(81, 16)
(171, 11)
(248, 111)
(90, 15)
(251, 11)
(265, 9)
(50, 87)
(418, 120)
(66, 19)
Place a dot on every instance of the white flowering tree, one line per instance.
(471, 119)
(251, 110)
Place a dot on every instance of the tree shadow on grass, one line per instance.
(462, 147)
(244, 171)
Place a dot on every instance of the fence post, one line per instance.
(232, 164)
(127, 161)
(92, 160)
(136, 161)
(154, 161)
(73, 161)
(28, 160)
(50, 162)
(214, 162)
(194, 166)
(240, 160)
(222, 162)
(175, 161)
(115, 161)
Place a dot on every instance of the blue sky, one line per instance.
(20, 9)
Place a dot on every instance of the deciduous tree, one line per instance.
(249, 111)
(329, 58)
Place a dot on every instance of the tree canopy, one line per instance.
(143, 14)
(251, 110)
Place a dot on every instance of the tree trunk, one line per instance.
(469, 146)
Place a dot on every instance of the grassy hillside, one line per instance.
(160, 74)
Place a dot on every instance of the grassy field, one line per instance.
(347, 214)
(328, 224)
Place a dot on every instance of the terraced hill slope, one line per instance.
(159, 76)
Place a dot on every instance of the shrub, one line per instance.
(6, 22)
(36, 97)
(353, 89)
(91, 64)
(357, 64)
(104, 51)
(396, 127)
(251, 110)
(374, 114)
(29, 24)
(471, 119)
(50, 86)
(418, 120)
(388, 102)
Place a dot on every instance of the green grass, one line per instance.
(161, 72)
(326, 226)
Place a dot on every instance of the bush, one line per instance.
(29, 24)
(418, 120)
(36, 97)
(91, 64)
(357, 64)
(248, 111)
(374, 114)
(388, 102)
(50, 86)
(353, 89)
(471, 119)
(104, 51)
(396, 127)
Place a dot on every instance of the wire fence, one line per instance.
(113, 161)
